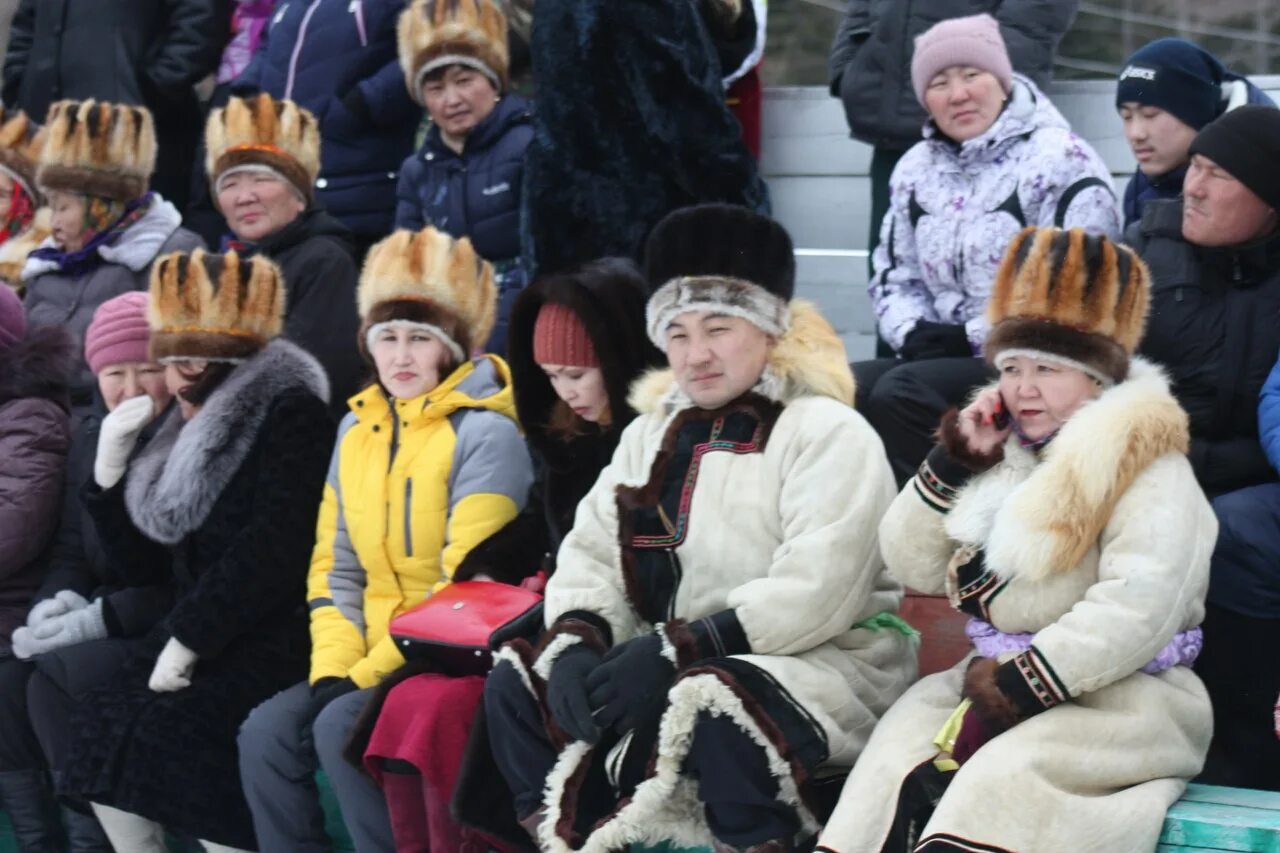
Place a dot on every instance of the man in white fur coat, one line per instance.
(722, 636)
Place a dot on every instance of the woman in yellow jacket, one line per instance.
(428, 464)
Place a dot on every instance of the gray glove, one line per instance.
(59, 604)
(58, 632)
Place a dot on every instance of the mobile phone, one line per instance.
(1001, 420)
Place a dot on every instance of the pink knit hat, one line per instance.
(13, 320)
(118, 332)
(974, 41)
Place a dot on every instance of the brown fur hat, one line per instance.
(96, 148)
(1074, 296)
(20, 144)
(430, 278)
(434, 33)
(262, 131)
(216, 307)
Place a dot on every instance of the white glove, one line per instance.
(117, 437)
(58, 605)
(173, 668)
(56, 632)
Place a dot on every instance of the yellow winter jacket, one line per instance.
(413, 485)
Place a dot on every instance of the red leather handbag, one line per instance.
(459, 627)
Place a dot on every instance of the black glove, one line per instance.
(630, 685)
(356, 104)
(567, 692)
(936, 340)
(323, 692)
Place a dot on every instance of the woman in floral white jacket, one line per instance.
(997, 156)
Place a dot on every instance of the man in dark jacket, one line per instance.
(146, 52)
(337, 58)
(1168, 91)
(870, 69)
(1215, 293)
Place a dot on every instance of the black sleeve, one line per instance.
(191, 42)
(322, 315)
(69, 565)
(855, 28)
(1031, 30)
(734, 41)
(516, 551)
(136, 610)
(21, 34)
(1230, 464)
(132, 558)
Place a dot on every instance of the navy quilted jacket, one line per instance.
(316, 52)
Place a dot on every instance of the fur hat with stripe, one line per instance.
(721, 258)
(215, 307)
(1074, 298)
(263, 134)
(97, 148)
(20, 144)
(435, 33)
(427, 279)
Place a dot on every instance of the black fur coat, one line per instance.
(631, 124)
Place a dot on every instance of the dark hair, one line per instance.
(204, 381)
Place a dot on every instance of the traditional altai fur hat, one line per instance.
(263, 134)
(429, 280)
(722, 258)
(96, 148)
(436, 33)
(20, 144)
(1070, 297)
(214, 307)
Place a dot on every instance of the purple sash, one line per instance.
(990, 642)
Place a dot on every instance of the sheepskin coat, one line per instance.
(775, 499)
(225, 504)
(1099, 546)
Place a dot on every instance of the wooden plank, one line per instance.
(1221, 827)
(1266, 801)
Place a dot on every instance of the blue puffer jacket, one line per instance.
(319, 53)
(475, 194)
(1269, 417)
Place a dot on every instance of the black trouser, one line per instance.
(735, 784)
(1242, 673)
(883, 161)
(19, 749)
(61, 678)
(905, 400)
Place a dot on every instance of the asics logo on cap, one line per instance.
(1138, 72)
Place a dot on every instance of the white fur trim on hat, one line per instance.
(377, 328)
(1043, 355)
(260, 168)
(454, 59)
(734, 297)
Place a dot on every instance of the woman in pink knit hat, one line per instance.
(82, 619)
(996, 156)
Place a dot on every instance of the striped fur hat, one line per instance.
(20, 144)
(435, 33)
(97, 148)
(1071, 297)
(265, 134)
(215, 307)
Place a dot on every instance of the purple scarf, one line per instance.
(990, 642)
(87, 259)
